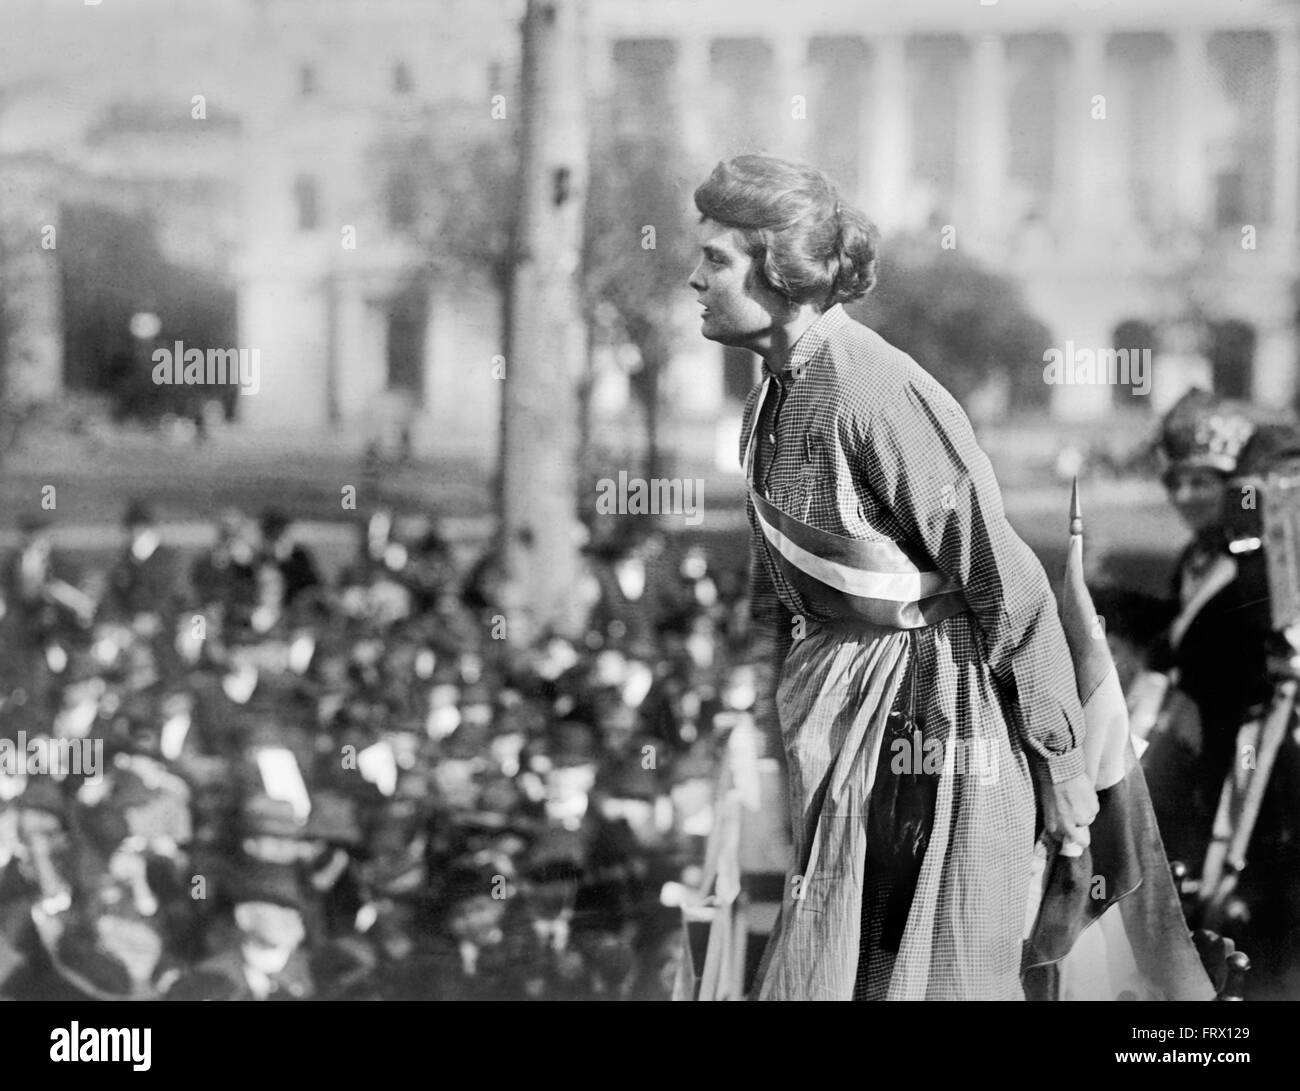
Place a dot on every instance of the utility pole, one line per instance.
(546, 346)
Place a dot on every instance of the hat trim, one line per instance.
(1224, 463)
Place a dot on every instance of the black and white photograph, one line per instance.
(650, 500)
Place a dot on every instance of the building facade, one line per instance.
(1135, 167)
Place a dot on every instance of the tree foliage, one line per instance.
(960, 320)
(637, 254)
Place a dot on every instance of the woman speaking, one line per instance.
(926, 698)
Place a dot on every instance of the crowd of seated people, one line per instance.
(297, 784)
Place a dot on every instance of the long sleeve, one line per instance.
(919, 457)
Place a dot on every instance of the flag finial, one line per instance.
(1076, 512)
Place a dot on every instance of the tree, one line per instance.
(539, 530)
(638, 256)
(962, 322)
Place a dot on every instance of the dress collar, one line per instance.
(811, 340)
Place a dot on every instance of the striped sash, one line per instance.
(848, 579)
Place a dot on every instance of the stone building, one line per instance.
(1136, 167)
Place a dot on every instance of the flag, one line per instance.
(713, 919)
(1108, 924)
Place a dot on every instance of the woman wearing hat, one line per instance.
(1218, 649)
(1219, 639)
(911, 612)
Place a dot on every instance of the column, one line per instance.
(886, 147)
(693, 65)
(791, 77)
(284, 317)
(1191, 183)
(1275, 362)
(1286, 139)
(988, 140)
(1091, 329)
(1085, 147)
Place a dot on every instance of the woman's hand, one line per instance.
(1068, 811)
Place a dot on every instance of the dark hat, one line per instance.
(500, 794)
(138, 514)
(130, 790)
(43, 794)
(33, 522)
(333, 819)
(106, 827)
(274, 522)
(629, 779)
(476, 693)
(464, 878)
(205, 984)
(262, 816)
(1203, 431)
(699, 762)
(468, 741)
(395, 818)
(318, 607)
(557, 852)
(78, 949)
(275, 884)
(573, 743)
(1271, 444)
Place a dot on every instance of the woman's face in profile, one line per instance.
(738, 308)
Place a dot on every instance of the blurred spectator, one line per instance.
(296, 566)
(225, 579)
(347, 789)
(144, 586)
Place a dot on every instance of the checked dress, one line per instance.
(882, 562)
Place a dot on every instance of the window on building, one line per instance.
(1137, 340)
(1232, 356)
(408, 316)
(402, 82)
(306, 195)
